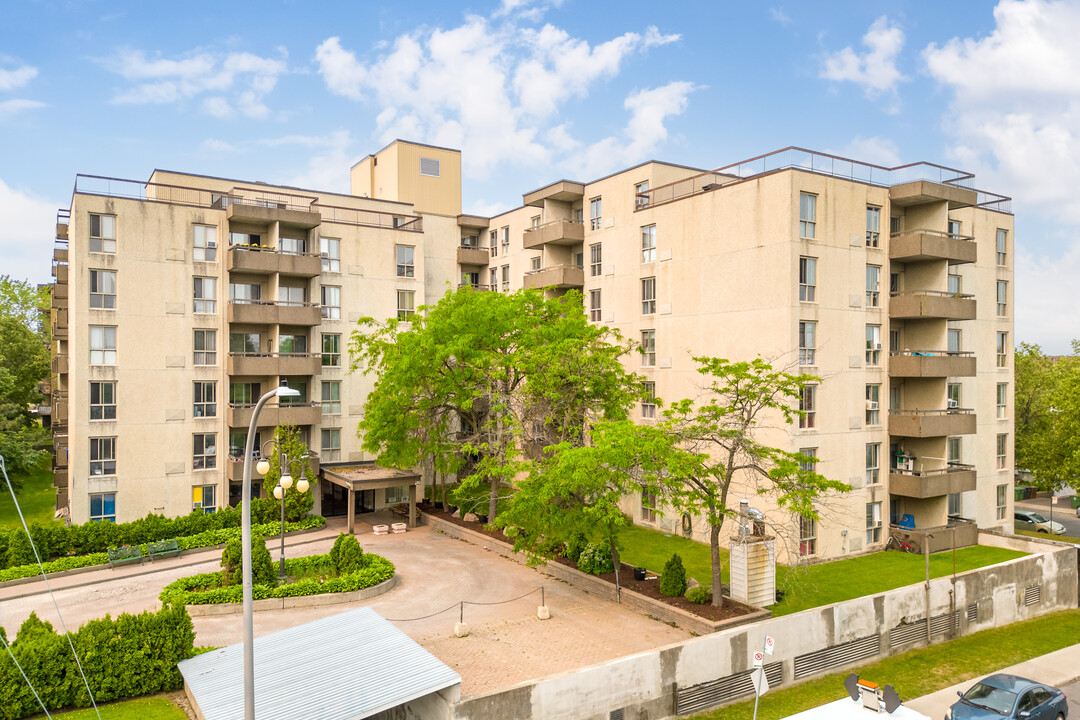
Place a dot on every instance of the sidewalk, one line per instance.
(1058, 668)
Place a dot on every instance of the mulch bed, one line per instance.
(650, 587)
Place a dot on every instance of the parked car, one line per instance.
(1008, 696)
(1028, 520)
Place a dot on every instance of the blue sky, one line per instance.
(534, 90)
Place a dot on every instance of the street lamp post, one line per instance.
(285, 482)
(245, 540)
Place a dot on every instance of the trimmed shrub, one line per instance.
(575, 545)
(19, 551)
(346, 557)
(262, 567)
(699, 595)
(595, 559)
(673, 581)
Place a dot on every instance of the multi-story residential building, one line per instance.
(893, 286)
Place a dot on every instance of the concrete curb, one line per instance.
(299, 601)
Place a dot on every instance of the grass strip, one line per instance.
(925, 670)
(1045, 536)
(149, 708)
(37, 498)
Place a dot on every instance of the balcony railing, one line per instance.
(931, 304)
(258, 364)
(555, 232)
(63, 219)
(475, 286)
(268, 312)
(264, 259)
(558, 276)
(933, 482)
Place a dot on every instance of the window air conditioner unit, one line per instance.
(325, 255)
(871, 404)
(877, 346)
(952, 404)
(211, 243)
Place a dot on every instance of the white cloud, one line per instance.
(212, 145)
(875, 70)
(246, 77)
(484, 208)
(780, 16)
(26, 234)
(327, 170)
(17, 78)
(10, 108)
(494, 90)
(1046, 296)
(874, 150)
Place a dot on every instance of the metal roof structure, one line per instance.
(344, 667)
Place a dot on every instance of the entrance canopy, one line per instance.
(368, 476)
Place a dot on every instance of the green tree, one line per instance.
(24, 366)
(480, 383)
(232, 563)
(287, 442)
(1047, 415)
(725, 424)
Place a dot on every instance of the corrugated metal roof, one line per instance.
(343, 667)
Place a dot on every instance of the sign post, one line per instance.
(757, 677)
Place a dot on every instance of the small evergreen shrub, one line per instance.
(346, 556)
(673, 581)
(262, 567)
(595, 559)
(699, 595)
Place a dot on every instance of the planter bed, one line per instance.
(642, 595)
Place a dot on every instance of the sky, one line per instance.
(533, 91)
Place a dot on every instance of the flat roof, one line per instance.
(368, 476)
(344, 667)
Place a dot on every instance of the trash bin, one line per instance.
(1074, 501)
(1018, 494)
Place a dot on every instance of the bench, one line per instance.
(124, 554)
(163, 548)
(401, 510)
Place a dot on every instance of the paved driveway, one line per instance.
(507, 644)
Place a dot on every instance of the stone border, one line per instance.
(601, 588)
(298, 601)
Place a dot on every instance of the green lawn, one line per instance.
(37, 500)
(923, 671)
(814, 585)
(150, 708)
(1044, 536)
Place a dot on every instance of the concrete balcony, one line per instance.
(556, 232)
(921, 192)
(931, 364)
(925, 304)
(60, 272)
(468, 255)
(59, 409)
(60, 478)
(562, 191)
(234, 468)
(259, 365)
(926, 245)
(932, 483)
(560, 276)
(59, 323)
(266, 212)
(959, 533)
(239, 416)
(61, 231)
(266, 261)
(261, 312)
(60, 295)
(473, 221)
(60, 255)
(931, 423)
(60, 364)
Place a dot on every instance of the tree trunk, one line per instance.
(443, 486)
(615, 560)
(714, 551)
(493, 500)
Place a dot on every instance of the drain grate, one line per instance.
(973, 612)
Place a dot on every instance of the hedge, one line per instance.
(184, 591)
(129, 656)
(191, 542)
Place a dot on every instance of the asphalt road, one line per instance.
(1062, 513)
(1072, 692)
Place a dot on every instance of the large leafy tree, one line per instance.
(481, 382)
(728, 425)
(1047, 415)
(288, 443)
(24, 365)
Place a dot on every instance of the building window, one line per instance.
(245, 293)
(205, 399)
(594, 214)
(894, 397)
(505, 278)
(807, 342)
(534, 223)
(648, 348)
(292, 245)
(955, 338)
(894, 225)
(405, 255)
(102, 345)
(331, 350)
(641, 202)
(331, 444)
(873, 405)
(1002, 450)
(953, 228)
(237, 444)
(1002, 399)
(205, 295)
(331, 397)
(808, 407)
(873, 345)
(494, 279)
(954, 505)
(534, 263)
(103, 233)
(873, 226)
(245, 239)
(894, 341)
(648, 296)
(873, 285)
(331, 302)
(493, 242)
(807, 279)
(807, 215)
(873, 463)
(595, 260)
(299, 385)
(952, 395)
(1002, 238)
(429, 167)
(205, 347)
(203, 497)
(648, 403)
(873, 523)
(954, 284)
(1002, 499)
(954, 451)
(103, 456)
(292, 295)
(244, 394)
(102, 400)
(205, 244)
(1002, 294)
(808, 465)
(505, 233)
(330, 249)
(405, 306)
(245, 343)
(292, 345)
(648, 244)
(807, 536)
(595, 313)
(103, 289)
(1003, 349)
(103, 507)
(204, 451)
(648, 507)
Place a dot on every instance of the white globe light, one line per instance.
(302, 485)
(286, 481)
(262, 467)
(278, 492)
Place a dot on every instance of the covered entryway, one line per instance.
(361, 480)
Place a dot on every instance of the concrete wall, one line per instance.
(690, 675)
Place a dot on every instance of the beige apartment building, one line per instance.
(893, 286)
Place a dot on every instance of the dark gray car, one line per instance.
(1008, 696)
